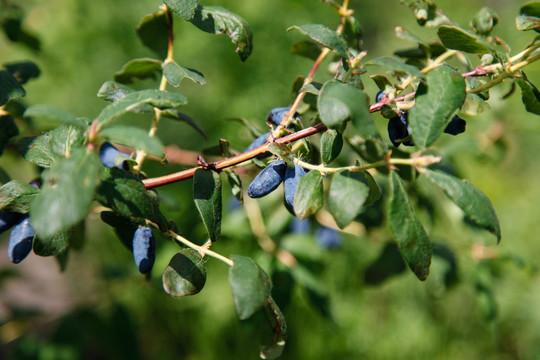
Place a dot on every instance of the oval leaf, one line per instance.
(8, 129)
(331, 144)
(529, 95)
(398, 65)
(54, 114)
(309, 195)
(16, 196)
(455, 38)
(54, 245)
(183, 8)
(10, 88)
(412, 240)
(113, 91)
(250, 286)
(474, 203)
(185, 275)
(435, 106)
(207, 196)
(347, 195)
(174, 74)
(138, 68)
(153, 30)
(324, 36)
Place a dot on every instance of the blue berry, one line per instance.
(399, 130)
(20, 240)
(328, 238)
(144, 249)
(379, 96)
(300, 226)
(292, 176)
(455, 126)
(8, 219)
(108, 153)
(261, 140)
(275, 116)
(267, 180)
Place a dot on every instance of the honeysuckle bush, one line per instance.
(357, 178)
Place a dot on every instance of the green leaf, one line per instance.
(175, 73)
(347, 195)
(67, 193)
(153, 30)
(435, 106)
(23, 71)
(397, 65)
(339, 102)
(54, 114)
(8, 129)
(218, 20)
(324, 36)
(16, 196)
(54, 245)
(138, 68)
(65, 138)
(276, 322)
(124, 227)
(306, 48)
(38, 150)
(10, 88)
(207, 196)
(127, 196)
(135, 138)
(474, 203)
(412, 240)
(113, 91)
(529, 95)
(529, 17)
(250, 285)
(236, 185)
(331, 144)
(185, 275)
(455, 38)
(309, 195)
(183, 8)
(177, 115)
(157, 98)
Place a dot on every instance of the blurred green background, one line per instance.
(101, 308)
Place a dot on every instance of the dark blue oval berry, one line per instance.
(300, 226)
(275, 116)
(108, 154)
(399, 131)
(455, 126)
(267, 180)
(144, 249)
(292, 176)
(379, 96)
(261, 140)
(20, 240)
(328, 238)
(8, 219)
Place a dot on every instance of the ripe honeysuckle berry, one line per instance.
(8, 219)
(379, 96)
(399, 131)
(455, 126)
(290, 184)
(108, 153)
(20, 240)
(328, 238)
(300, 226)
(261, 140)
(144, 249)
(275, 116)
(267, 180)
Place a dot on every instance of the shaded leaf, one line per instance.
(218, 20)
(306, 48)
(529, 17)
(38, 150)
(207, 196)
(54, 114)
(175, 73)
(138, 68)
(16, 196)
(250, 285)
(455, 38)
(435, 106)
(153, 30)
(157, 98)
(135, 138)
(23, 71)
(412, 240)
(397, 65)
(331, 145)
(8, 129)
(324, 36)
(183, 8)
(276, 321)
(113, 91)
(185, 275)
(124, 227)
(529, 95)
(66, 194)
(54, 245)
(309, 195)
(474, 203)
(10, 88)
(236, 185)
(347, 195)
